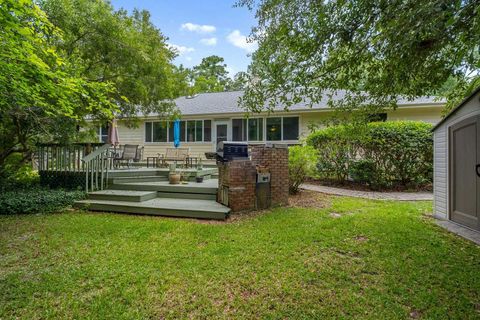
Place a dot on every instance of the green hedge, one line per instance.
(380, 154)
(301, 164)
(37, 200)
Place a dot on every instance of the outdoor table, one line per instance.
(189, 161)
(154, 162)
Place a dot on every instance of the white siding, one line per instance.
(440, 159)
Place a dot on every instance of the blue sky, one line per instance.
(201, 28)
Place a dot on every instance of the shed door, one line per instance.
(464, 178)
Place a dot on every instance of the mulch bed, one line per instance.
(351, 185)
(309, 199)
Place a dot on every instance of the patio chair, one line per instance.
(174, 155)
(128, 155)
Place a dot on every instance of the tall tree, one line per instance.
(39, 87)
(239, 82)
(384, 48)
(210, 75)
(112, 46)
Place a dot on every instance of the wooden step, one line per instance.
(122, 195)
(138, 179)
(207, 187)
(177, 195)
(204, 209)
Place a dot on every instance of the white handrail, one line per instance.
(96, 166)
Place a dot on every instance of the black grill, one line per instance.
(229, 150)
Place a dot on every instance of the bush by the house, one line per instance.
(380, 154)
(301, 164)
(37, 200)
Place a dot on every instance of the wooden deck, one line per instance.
(147, 191)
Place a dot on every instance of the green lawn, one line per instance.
(351, 259)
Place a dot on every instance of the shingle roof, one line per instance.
(227, 102)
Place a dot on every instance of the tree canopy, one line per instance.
(112, 46)
(38, 85)
(384, 48)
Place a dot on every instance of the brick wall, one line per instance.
(238, 178)
(276, 159)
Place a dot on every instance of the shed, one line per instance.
(456, 161)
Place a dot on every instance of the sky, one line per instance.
(200, 28)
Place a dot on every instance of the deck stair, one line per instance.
(148, 192)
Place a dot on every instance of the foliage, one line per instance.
(39, 87)
(125, 50)
(17, 174)
(386, 259)
(37, 200)
(335, 146)
(301, 164)
(386, 49)
(381, 154)
(210, 75)
(239, 82)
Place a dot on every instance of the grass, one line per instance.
(351, 259)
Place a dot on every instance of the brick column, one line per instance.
(275, 158)
(237, 179)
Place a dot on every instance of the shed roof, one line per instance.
(227, 102)
(454, 110)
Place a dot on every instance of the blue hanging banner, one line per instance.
(176, 133)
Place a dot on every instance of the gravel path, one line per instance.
(399, 196)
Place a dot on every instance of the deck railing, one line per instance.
(74, 165)
(61, 157)
(96, 165)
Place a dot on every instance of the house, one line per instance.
(212, 117)
(457, 164)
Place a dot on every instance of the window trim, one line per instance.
(264, 128)
(168, 131)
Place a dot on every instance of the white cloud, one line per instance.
(181, 49)
(188, 58)
(239, 40)
(198, 28)
(209, 41)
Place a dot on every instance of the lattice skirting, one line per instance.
(62, 179)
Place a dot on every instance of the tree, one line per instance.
(127, 51)
(39, 88)
(239, 82)
(210, 75)
(383, 48)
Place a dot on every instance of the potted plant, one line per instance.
(173, 175)
(199, 176)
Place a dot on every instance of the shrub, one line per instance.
(380, 154)
(363, 170)
(16, 174)
(37, 200)
(335, 149)
(301, 164)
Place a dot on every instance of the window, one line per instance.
(255, 129)
(207, 130)
(377, 117)
(247, 130)
(190, 131)
(103, 133)
(282, 128)
(159, 131)
(290, 128)
(274, 129)
(195, 130)
(239, 130)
